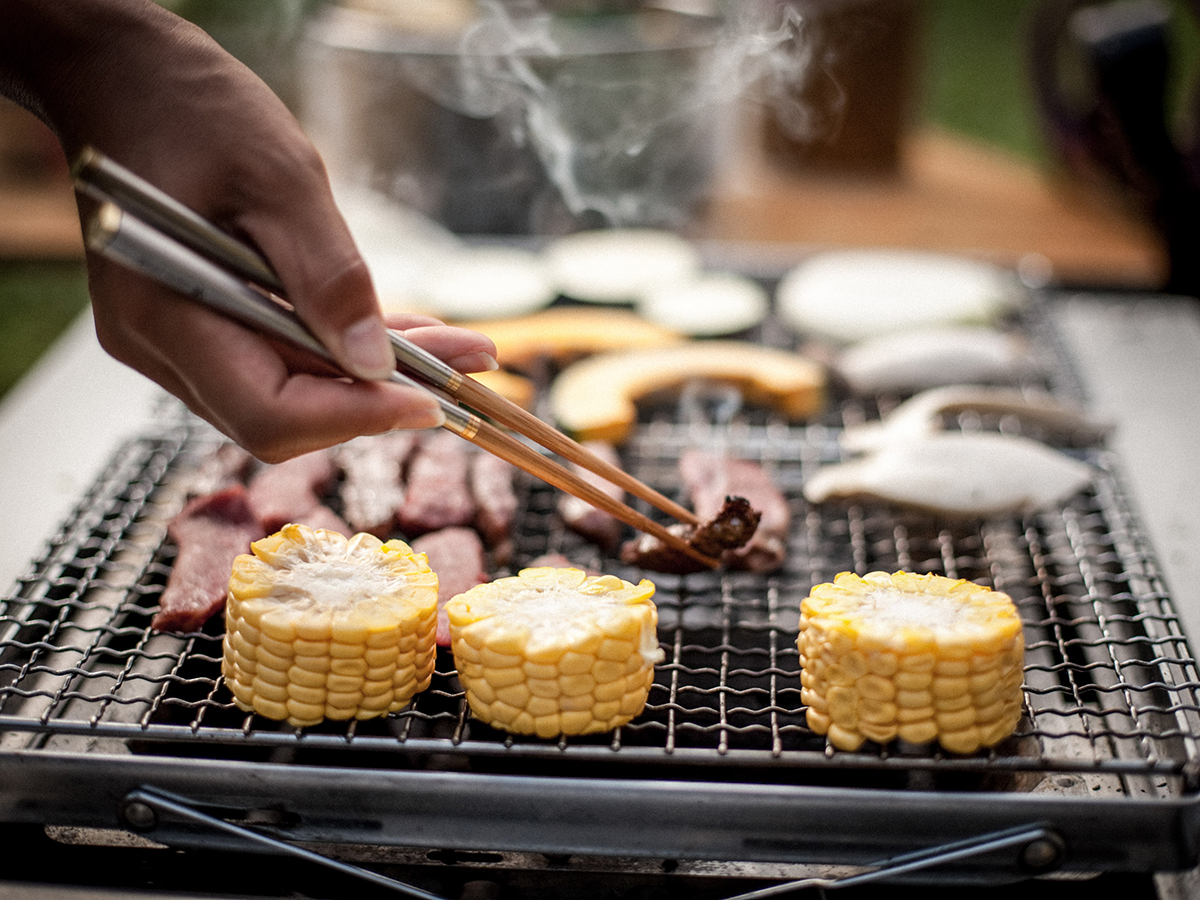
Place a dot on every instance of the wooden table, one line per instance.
(948, 194)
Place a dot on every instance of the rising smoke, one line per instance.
(627, 125)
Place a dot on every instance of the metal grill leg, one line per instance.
(141, 808)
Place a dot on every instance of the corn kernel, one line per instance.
(921, 732)
(280, 649)
(305, 677)
(515, 695)
(880, 733)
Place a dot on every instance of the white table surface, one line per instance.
(58, 428)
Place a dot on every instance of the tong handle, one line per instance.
(126, 239)
(109, 182)
(102, 179)
(132, 242)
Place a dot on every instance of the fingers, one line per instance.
(304, 237)
(188, 118)
(461, 348)
(273, 403)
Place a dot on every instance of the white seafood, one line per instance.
(486, 283)
(977, 474)
(922, 415)
(923, 358)
(709, 304)
(849, 295)
(618, 265)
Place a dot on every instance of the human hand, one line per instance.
(163, 99)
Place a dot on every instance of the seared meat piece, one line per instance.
(492, 487)
(437, 493)
(373, 480)
(732, 526)
(709, 478)
(209, 532)
(291, 492)
(456, 556)
(600, 527)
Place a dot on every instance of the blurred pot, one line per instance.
(507, 126)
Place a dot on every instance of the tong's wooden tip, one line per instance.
(482, 398)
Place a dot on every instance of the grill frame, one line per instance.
(1069, 766)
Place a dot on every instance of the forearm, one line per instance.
(150, 90)
(161, 97)
(68, 60)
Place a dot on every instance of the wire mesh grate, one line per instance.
(1111, 686)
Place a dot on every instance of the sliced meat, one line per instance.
(227, 464)
(437, 493)
(456, 555)
(601, 528)
(373, 480)
(293, 491)
(710, 478)
(555, 560)
(732, 526)
(210, 531)
(322, 516)
(496, 502)
(552, 559)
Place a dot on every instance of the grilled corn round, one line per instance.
(555, 651)
(320, 626)
(914, 657)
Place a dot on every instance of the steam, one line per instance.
(629, 137)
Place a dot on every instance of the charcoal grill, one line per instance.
(106, 725)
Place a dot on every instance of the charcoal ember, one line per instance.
(601, 528)
(732, 526)
(457, 557)
(372, 489)
(438, 491)
(210, 531)
(492, 486)
(292, 492)
(709, 478)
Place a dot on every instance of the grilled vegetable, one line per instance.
(320, 626)
(555, 651)
(914, 657)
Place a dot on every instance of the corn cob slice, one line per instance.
(914, 657)
(555, 651)
(320, 626)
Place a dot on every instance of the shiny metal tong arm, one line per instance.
(163, 251)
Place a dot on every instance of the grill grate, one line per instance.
(1110, 682)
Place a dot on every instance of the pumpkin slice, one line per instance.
(596, 398)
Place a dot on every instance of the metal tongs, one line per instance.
(144, 229)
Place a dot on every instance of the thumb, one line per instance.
(307, 242)
(344, 314)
